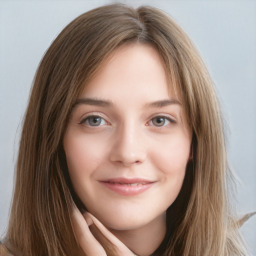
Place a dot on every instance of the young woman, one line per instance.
(122, 150)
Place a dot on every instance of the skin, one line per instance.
(130, 136)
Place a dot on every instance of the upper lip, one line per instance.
(123, 180)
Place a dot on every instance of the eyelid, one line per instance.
(169, 117)
(92, 114)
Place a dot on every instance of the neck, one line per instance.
(144, 240)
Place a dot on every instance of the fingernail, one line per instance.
(88, 219)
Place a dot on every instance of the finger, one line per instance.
(84, 237)
(109, 248)
(112, 245)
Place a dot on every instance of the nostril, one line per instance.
(127, 150)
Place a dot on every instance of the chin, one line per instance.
(125, 226)
(121, 221)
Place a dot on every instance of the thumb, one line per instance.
(111, 244)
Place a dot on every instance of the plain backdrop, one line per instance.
(224, 33)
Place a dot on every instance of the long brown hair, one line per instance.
(199, 221)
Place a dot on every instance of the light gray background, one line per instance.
(223, 31)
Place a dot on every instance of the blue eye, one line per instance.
(93, 121)
(160, 121)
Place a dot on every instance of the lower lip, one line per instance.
(128, 190)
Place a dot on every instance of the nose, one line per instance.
(128, 147)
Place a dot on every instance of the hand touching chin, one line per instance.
(94, 238)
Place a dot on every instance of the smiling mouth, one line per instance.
(127, 184)
(128, 187)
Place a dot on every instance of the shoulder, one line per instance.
(4, 251)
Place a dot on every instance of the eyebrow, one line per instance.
(93, 102)
(106, 103)
(163, 103)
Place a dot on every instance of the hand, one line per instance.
(94, 238)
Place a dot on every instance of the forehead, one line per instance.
(131, 70)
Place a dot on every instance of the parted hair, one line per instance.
(200, 221)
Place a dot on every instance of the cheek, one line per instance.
(172, 154)
(83, 155)
(170, 159)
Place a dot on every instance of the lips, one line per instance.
(128, 187)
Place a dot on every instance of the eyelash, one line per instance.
(85, 121)
(166, 119)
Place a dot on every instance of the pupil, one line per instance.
(159, 121)
(95, 120)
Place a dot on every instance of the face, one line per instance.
(127, 143)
